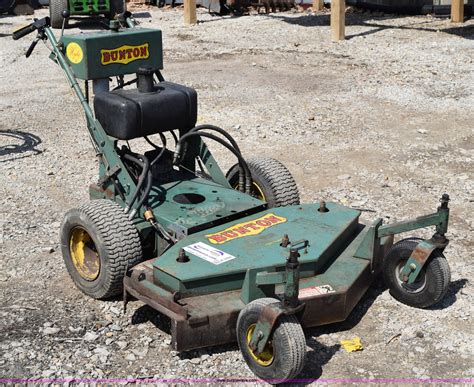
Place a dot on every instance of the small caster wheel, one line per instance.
(283, 356)
(431, 284)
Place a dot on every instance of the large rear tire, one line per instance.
(99, 243)
(431, 284)
(283, 356)
(116, 7)
(56, 8)
(272, 182)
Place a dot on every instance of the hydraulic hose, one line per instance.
(143, 162)
(146, 192)
(149, 175)
(231, 140)
(221, 131)
(242, 162)
(162, 150)
(175, 137)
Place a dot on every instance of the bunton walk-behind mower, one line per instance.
(225, 257)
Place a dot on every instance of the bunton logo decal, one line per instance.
(124, 54)
(252, 227)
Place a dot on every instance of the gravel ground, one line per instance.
(382, 121)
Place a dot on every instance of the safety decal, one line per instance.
(74, 53)
(252, 227)
(208, 253)
(314, 291)
(124, 54)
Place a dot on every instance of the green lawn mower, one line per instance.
(108, 8)
(226, 256)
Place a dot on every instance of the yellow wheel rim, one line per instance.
(255, 191)
(266, 357)
(84, 254)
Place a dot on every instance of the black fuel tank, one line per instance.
(129, 114)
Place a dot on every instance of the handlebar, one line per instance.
(23, 31)
(36, 25)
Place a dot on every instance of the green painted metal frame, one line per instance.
(104, 144)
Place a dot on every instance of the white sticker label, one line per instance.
(208, 253)
(313, 291)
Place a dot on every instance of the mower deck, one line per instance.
(253, 242)
(203, 299)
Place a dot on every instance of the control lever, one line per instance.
(32, 46)
(65, 14)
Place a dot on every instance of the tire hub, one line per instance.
(416, 286)
(264, 358)
(84, 254)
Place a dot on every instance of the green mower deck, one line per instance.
(203, 299)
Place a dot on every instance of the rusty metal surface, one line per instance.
(139, 283)
(416, 261)
(211, 319)
(265, 323)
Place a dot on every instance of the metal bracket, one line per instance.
(113, 171)
(290, 303)
(211, 165)
(417, 260)
(367, 250)
(266, 322)
(420, 255)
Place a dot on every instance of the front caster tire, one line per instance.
(431, 284)
(99, 243)
(284, 354)
(272, 182)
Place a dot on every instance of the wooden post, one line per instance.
(338, 19)
(190, 12)
(318, 5)
(457, 11)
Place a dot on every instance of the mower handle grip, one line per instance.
(38, 24)
(23, 31)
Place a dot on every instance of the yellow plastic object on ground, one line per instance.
(352, 345)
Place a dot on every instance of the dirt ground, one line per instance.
(382, 121)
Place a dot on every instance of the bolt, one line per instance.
(322, 206)
(182, 257)
(444, 200)
(285, 241)
(412, 267)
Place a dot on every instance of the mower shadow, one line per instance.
(146, 313)
(318, 354)
(29, 144)
(450, 298)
